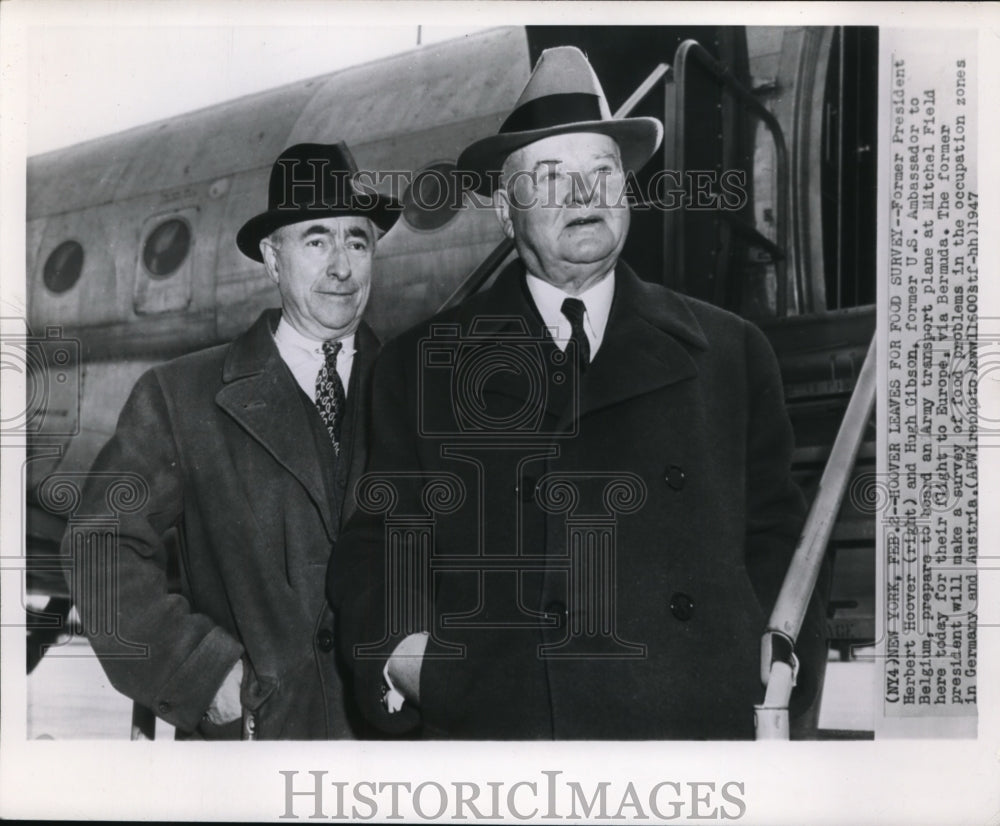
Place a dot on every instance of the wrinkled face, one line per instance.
(323, 269)
(563, 203)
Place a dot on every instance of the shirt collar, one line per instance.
(289, 339)
(596, 298)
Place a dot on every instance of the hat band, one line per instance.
(553, 110)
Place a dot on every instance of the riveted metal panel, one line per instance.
(415, 271)
(475, 80)
(94, 298)
(396, 95)
(164, 155)
(409, 288)
(242, 288)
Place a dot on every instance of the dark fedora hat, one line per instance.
(310, 181)
(562, 95)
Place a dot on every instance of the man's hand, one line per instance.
(226, 705)
(404, 666)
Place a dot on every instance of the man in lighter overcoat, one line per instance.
(243, 453)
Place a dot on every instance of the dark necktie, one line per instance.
(573, 309)
(330, 396)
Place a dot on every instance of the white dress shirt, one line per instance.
(596, 299)
(304, 357)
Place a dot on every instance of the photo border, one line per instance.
(886, 781)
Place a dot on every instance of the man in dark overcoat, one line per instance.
(242, 452)
(602, 467)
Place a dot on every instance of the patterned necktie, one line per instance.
(330, 396)
(573, 309)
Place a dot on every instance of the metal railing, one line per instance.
(692, 50)
(777, 659)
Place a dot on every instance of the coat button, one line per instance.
(251, 726)
(163, 707)
(527, 489)
(324, 639)
(675, 477)
(681, 607)
(559, 609)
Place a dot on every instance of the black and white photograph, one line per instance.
(509, 412)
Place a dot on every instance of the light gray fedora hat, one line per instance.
(562, 95)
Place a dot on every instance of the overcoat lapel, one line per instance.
(355, 429)
(261, 394)
(507, 316)
(644, 344)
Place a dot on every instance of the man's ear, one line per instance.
(269, 252)
(501, 205)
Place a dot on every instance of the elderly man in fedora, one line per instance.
(622, 512)
(246, 449)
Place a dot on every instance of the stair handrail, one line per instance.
(777, 659)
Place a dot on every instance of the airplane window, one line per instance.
(166, 247)
(432, 199)
(63, 266)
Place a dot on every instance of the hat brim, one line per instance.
(382, 210)
(637, 138)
